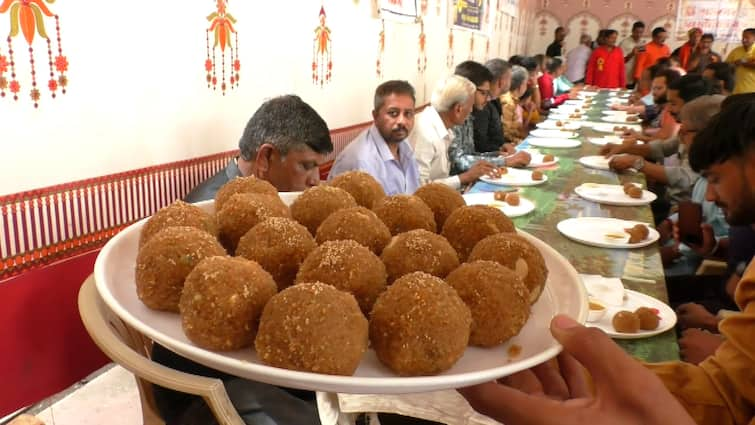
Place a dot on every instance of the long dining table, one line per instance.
(639, 269)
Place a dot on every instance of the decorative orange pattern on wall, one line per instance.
(28, 18)
(222, 27)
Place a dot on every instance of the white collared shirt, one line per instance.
(431, 139)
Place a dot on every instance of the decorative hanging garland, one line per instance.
(422, 58)
(28, 17)
(380, 49)
(322, 62)
(221, 26)
(450, 52)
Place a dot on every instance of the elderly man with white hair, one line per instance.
(451, 103)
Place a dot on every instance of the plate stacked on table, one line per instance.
(632, 301)
(612, 194)
(602, 141)
(614, 128)
(622, 118)
(604, 232)
(559, 134)
(488, 198)
(516, 177)
(550, 142)
(553, 124)
(598, 162)
(537, 159)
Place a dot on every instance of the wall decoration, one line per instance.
(437, 7)
(380, 49)
(623, 24)
(401, 10)
(468, 14)
(422, 58)
(28, 17)
(423, 7)
(221, 26)
(487, 47)
(725, 19)
(471, 46)
(450, 51)
(322, 62)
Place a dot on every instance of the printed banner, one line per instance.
(725, 19)
(398, 10)
(469, 15)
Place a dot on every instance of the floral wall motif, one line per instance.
(588, 16)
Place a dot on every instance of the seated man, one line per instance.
(284, 142)
(462, 150)
(678, 179)
(383, 150)
(450, 105)
(488, 130)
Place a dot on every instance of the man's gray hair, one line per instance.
(288, 123)
(519, 76)
(497, 67)
(699, 111)
(450, 91)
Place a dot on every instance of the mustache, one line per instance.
(399, 128)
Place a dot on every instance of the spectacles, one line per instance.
(484, 92)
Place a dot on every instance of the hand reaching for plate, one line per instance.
(610, 149)
(519, 159)
(477, 170)
(548, 395)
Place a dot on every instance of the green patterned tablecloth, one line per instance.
(639, 269)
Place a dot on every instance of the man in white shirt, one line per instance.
(631, 46)
(452, 101)
(576, 60)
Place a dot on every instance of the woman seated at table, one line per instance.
(547, 84)
(513, 115)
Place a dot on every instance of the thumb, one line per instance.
(607, 362)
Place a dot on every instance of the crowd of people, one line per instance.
(696, 144)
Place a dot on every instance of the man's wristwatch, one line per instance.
(639, 163)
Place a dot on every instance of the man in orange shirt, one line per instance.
(652, 51)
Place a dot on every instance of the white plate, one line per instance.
(602, 141)
(487, 198)
(575, 102)
(536, 159)
(633, 301)
(608, 128)
(612, 194)
(550, 142)
(563, 294)
(585, 93)
(593, 230)
(515, 177)
(551, 125)
(557, 134)
(599, 162)
(621, 119)
(612, 113)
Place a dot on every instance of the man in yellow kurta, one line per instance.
(720, 391)
(743, 60)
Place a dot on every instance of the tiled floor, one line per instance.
(110, 398)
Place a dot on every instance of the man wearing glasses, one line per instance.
(462, 151)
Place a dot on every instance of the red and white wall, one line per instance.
(138, 127)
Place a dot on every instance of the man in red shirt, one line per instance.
(686, 50)
(605, 68)
(652, 51)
